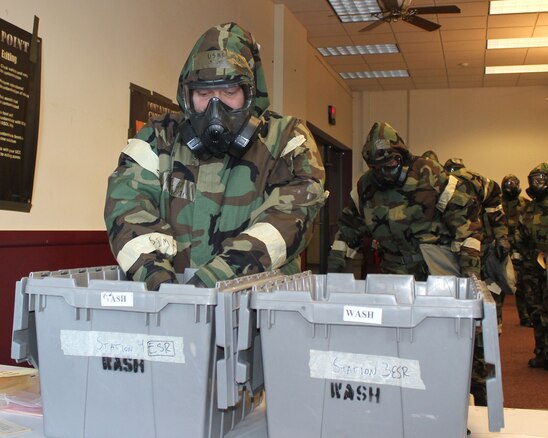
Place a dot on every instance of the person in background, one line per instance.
(495, 246)
(223, 186)
(513, 204)
(405, 203)
(532, 240)
(425, 221)
(431, 155)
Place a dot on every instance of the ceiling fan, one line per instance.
(395, 10)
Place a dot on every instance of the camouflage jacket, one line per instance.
(532, 231)
(166, 210)
(489, 195)
(512, 209)
(431, 207)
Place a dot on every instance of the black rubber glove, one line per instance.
(502, 248)
(336, 261)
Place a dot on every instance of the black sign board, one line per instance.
(145, 104)
(20, 62)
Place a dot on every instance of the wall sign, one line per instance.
(145, 104)
(20, 71)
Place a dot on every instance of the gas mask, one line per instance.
(510, 187)
(538, 185)
(220, 130)
(391, 171)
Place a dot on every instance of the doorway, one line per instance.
(337, 160)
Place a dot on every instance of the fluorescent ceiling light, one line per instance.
(502, 69)
(371, 49)
(375, 74)
(350, 11)
(517, 43)
(517, 6)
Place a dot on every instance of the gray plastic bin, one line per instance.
(383, 357)
(116, 360)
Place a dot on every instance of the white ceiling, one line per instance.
(454, 56)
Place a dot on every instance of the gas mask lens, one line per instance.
(387, 169)
(236, 95)
(538, 181)
(511, 187)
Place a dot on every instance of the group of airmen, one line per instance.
(425, 218)
(230, 188)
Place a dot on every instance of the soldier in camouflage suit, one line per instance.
(406, 203)
(532, 239)
(495, 246)
(230, 190)
(513, 204)
(403, 202)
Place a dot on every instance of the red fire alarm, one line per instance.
(331, 115)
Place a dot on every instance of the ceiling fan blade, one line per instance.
(373, 25)
(421, 22)
(449, 9)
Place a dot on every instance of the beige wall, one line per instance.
(495, 131)
(303, 82)
(91, 53)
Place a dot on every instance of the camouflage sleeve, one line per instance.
(349, 236)
(281, 227)
(492, 203)
(142, 243)
(460, 209)
(351, 225)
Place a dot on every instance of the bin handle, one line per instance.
(491, 351)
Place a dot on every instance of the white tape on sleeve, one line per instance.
(122, 345)
(293, 144)
(142, 153)
(339, 245)
(447, 194)
(473, 243)
(145, 244)
(381, 370)
(273, 240)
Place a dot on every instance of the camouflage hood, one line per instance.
(541, 168)
(382, 140)
(223, 53)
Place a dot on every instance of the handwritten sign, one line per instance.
(381, 370)
(122, 345)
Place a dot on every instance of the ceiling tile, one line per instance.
(510, 32)
(537, 55)
(505, 57)
(512, 20)
(452, 57)
(540, 31)
(462, 35)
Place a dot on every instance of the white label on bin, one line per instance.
(117, 299)
(382, 370)
(123, 345)
(369, 315)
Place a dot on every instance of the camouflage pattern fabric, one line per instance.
(380, 142)
(489, 194)
(512, 209)
(532, 240)
(429, 208)
(495, 227)
(167, 211)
